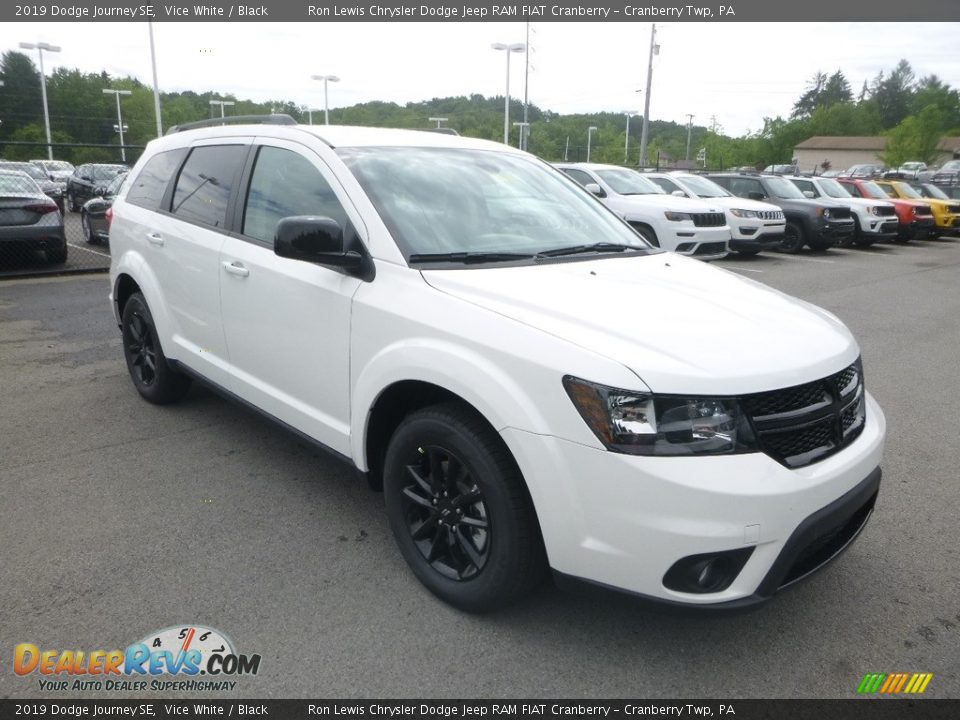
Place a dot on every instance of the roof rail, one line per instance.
(278, 119)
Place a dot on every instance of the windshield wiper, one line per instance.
(468, 257)
(595, 247)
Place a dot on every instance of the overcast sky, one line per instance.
(737, 72)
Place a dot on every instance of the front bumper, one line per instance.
(767, 241)
(835, 229)
(921, 227)
(878, 229)
(622, 521)
(710, 243)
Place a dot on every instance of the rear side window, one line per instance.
(285, 184)
(148, 189)
(205, 183)
(579, 175)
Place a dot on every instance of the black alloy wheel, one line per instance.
(459, 509)
(152, 376)
(85, 224)
(446, 514)
(792, 238)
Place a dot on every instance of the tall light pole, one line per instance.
(156, 87)
(40, 47)
(326, 104)
(654, 50)
(524, 126)
(508, 48)
(590, 131)
(437, 121)
(689, 129)
(626, 143)
(117, 94)
(310, 112)
(222, 104)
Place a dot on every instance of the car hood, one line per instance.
(682, 326)
(670, 202)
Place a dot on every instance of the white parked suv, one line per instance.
(874, 220)
(532, 385)
(687, 227)
(754, 225)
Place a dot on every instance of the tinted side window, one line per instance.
(285, 184)
(806, 185)
(205, 183)
(148, 189)
(579, 175)
(667, 185)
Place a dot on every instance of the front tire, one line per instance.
(72, 202)
(152, 376)
(459, 510)
(87, 232)
(793, 238)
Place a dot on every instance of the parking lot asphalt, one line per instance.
(118, 518)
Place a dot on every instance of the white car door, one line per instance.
(287, 322)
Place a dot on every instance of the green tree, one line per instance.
(915, 138)
(21, 103)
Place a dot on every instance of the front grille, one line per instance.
(770, 214)
(926, 211)
(710, 248)
(803, 424)
(886, 210)
(709, 219)
(953, 209)
(839, 213)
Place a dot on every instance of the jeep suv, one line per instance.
(820, 224)
(531, 384)
(874, 220)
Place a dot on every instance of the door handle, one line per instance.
(236, 268)
(155, 239)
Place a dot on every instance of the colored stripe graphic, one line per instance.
(894, 683)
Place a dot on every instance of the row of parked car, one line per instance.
(35, 195)
(946, 177)
(707, 216)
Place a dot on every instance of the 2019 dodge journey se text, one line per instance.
(531, 383)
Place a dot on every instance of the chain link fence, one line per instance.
(73, 237)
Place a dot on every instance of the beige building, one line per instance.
(843, 151)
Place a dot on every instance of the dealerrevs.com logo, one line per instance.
(198, 658)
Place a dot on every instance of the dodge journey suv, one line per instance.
(532, 385)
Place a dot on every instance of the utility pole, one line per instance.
(654, 50)
(156, 87)
(689, 129)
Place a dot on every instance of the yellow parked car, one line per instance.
(946, 212)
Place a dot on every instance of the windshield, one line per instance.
(628, 182)
(874, 191)
(28, 168)
(834, 189)
(114, 186)
(933, 191)
(11, 184)
(784, 189)
(704, 188)
(908, 191)
(451, 200)
(952, 166)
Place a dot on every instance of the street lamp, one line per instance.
(438, 121)
(120, 126)
(222, 103)
(40, 47)
(326, 105)
(523, 131)
(310, 112)
(156, 87)
(626, 143)
(590, 131)
(511, 48)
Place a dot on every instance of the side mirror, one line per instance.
(595, 190)
(315, 239)
(809, 194)
(756, 195)
(678, 193)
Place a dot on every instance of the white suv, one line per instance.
(874, 220)
(686, 227)
(532, 384)
(754, 225)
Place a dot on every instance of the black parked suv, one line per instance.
(820, 223)
(90, 181)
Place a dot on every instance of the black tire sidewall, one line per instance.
(498, 583)
(798, 231)
(168, 386)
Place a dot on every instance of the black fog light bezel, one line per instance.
(692, 573)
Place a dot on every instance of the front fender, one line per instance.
(133, 264)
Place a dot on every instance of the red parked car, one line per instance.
(915, 218)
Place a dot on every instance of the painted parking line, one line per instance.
(742, 269)
(86, 249)
(806, 259)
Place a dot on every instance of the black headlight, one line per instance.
(646, 424)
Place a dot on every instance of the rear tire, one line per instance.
(793, 238)
(460, 511)
(85, 225)
(152, 376)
